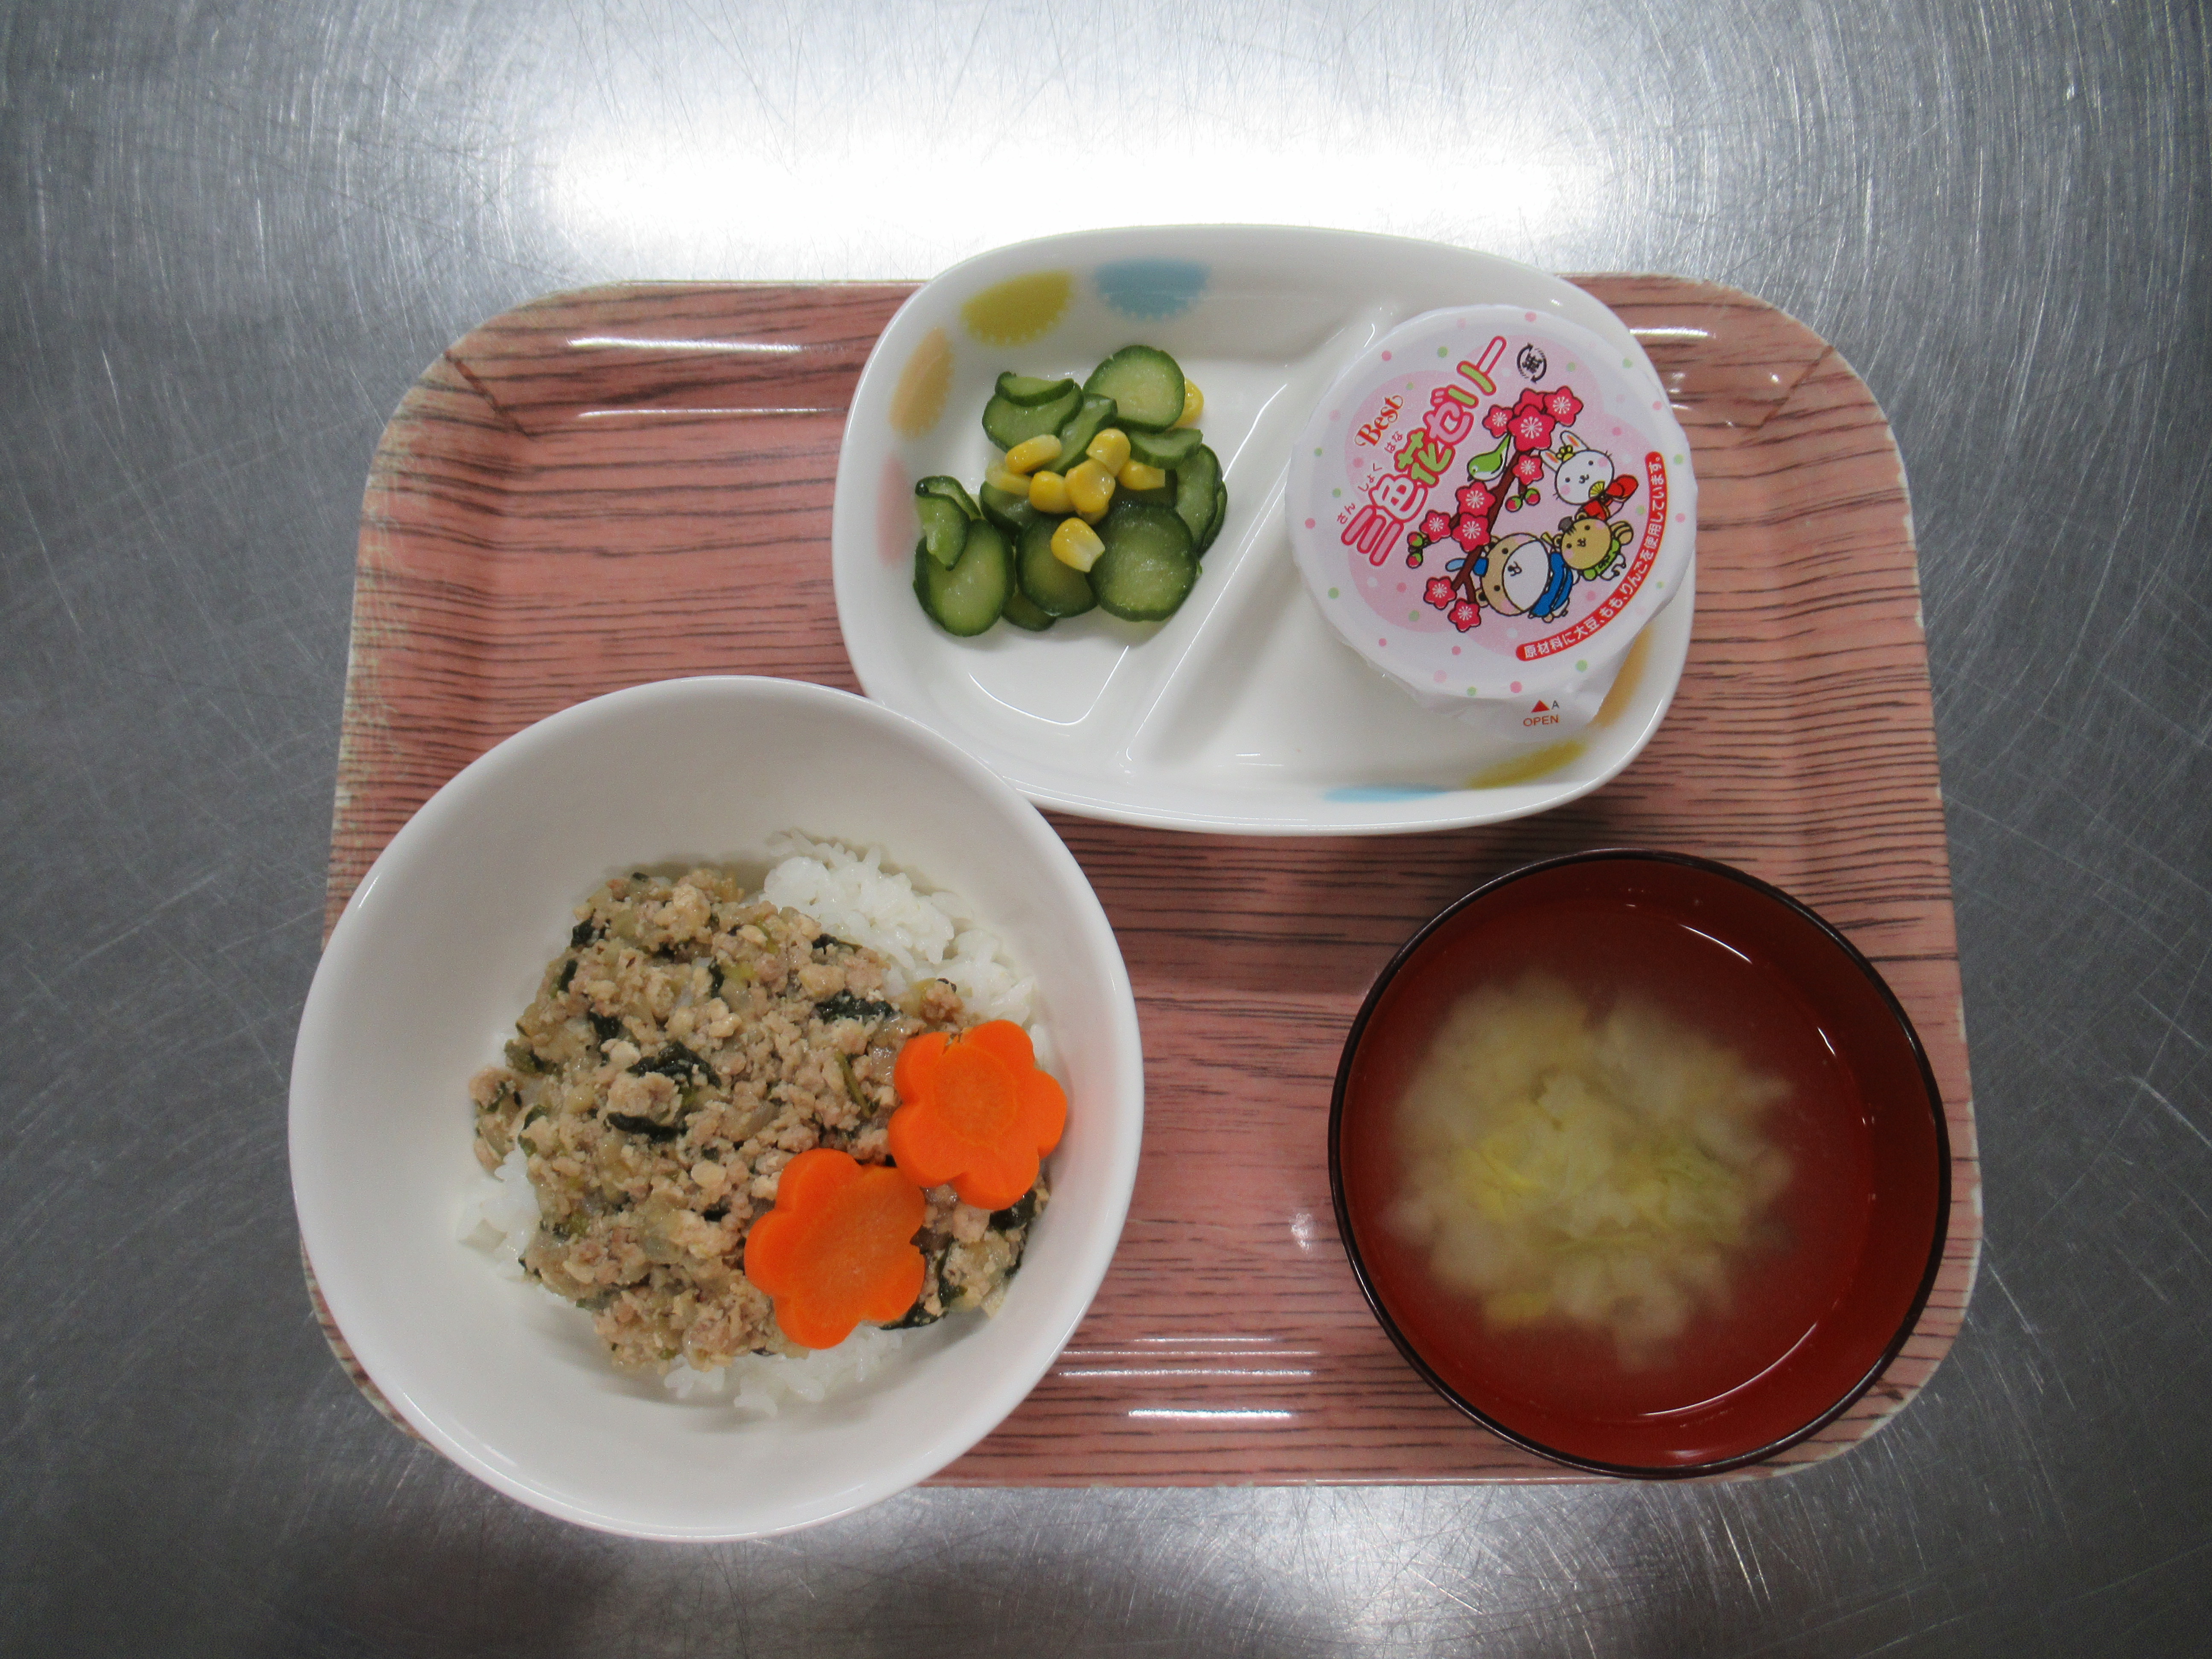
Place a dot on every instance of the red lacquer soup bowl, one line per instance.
(1639, 1162)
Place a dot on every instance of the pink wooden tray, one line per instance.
(547, 519)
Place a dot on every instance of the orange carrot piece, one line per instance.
(808, 1180)
(976, 1114)
(997, 1178)
(838, 1248)
(917, 1061)
(1005, 1039)
(1044, 1110)
(976, 1097)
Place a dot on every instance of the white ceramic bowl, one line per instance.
(442, 947)
(1244, 712)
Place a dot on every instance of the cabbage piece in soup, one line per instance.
(1605, 1168)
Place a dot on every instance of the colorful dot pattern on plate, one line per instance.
(1151, 290)
(1023, 310)
(918, 400)
(1525, 491)
(895, 524)
(1020, 309)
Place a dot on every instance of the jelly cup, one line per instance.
(1528, 480)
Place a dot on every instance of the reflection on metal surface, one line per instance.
(880, 196)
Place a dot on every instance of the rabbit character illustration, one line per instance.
(1580, 472)
(1585, 479)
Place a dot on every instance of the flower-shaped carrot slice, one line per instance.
(838, 1248)
(976, 1112)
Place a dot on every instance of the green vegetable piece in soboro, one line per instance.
(675, 1062)
(846, 1006)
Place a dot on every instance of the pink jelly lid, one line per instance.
(1490, 502)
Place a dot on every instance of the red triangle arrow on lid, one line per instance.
(1539, 709)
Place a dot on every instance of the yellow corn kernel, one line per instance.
(1049, 493)
(1027, 456)
(1089, 487)
(1012, 483)
(1193, 403)
(1076, 544)
(1111, 449)
(1135, 474)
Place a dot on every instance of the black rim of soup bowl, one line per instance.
(1939, 1229)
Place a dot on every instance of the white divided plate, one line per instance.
(1243, 713)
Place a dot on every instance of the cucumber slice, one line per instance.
(1220, 512)
(968, 598)
(1147, 570)
(1011, 513)
(1006, 422)
(1164, 496)
(1196, 481)
(1094, 416)
(1145, 385)
(944, 528)
(953, 490)
(1054, 588)
(1167, 450)
(1028, 390)
(1023, 614)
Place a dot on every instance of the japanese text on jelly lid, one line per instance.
(1491, 502)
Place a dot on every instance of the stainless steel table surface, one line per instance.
(234, 232)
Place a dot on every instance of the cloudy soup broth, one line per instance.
(1539, 1069)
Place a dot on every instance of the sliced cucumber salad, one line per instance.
(1104, 497)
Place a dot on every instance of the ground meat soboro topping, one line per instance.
(691, 1042)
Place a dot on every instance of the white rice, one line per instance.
(765, 1381)
(923, 935)
(500, 1215)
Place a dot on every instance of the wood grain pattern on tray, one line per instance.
(553, 514)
